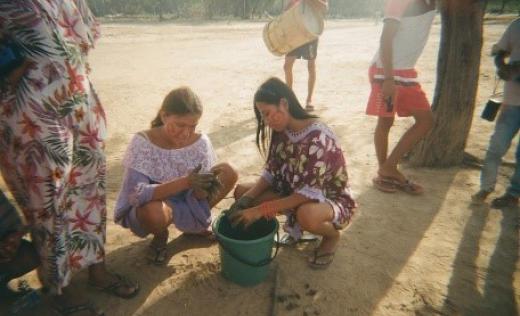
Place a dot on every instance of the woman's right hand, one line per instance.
(244, 202)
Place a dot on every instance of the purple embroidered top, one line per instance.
(147, 165)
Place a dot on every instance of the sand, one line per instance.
(403, 255)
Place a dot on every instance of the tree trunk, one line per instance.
(457, 81)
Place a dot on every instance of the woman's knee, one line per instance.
(153, 217)
(306, 219)
(227, 173)
(240, 189)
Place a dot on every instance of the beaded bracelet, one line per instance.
(267, 209)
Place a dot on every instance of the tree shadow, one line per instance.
(497, 296)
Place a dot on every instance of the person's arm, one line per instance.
(268, 209)
(387, 54)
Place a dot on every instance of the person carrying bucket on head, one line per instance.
(305, 173)
(395, 88)
(171, 176)
(308, 52)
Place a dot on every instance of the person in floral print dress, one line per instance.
(305, 173)
(52, 131)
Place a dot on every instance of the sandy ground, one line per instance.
(403, 255)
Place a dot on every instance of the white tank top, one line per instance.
(409, 41)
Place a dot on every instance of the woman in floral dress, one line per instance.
(305, 173)
(52, 131)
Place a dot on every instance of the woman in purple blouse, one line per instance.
(171, 175)
(305, 173)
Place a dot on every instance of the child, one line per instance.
(162, 182)
(305, 173)
(395, 88)
(307, 51)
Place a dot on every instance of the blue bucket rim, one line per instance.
(214, 227)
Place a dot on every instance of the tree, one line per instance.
(457, 81)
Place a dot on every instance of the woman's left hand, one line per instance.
(245, 217)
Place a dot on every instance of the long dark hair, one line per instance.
(271, 92)
(180, 101)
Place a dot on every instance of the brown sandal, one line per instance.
(320, 261)
(383, 185)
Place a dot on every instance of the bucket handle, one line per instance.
(247, 262)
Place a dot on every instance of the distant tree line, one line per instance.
(249, 9)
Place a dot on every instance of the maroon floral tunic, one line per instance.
(310, 163)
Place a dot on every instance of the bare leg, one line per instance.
(316, 218)
(311, 67)
(288, 69)
(155, 217)
(423, 124)
(381, 138)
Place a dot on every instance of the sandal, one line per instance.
(116, 285)
(156, 255)
(309, 107)
(71, 310)
(320, 261)
(383, 185)
(407, 186)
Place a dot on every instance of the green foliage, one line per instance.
(208, 9)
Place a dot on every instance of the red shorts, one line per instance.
(409, 96)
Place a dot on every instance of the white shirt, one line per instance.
(411, 37)
(510, 42)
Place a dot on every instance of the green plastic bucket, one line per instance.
(245, 254)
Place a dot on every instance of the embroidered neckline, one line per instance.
(298, 136)
(149, 142)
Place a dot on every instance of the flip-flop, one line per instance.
(320, 261)
(409, 187)
(384, 185)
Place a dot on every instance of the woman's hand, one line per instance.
(245, 217)
(242, 203)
